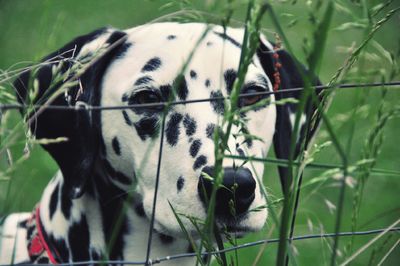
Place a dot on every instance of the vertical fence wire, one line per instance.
(153, 214)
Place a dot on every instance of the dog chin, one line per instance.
(234, 230)
(251, 221)
(237, 226)
(240, 229)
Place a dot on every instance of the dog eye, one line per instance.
(147, 97)
(143, 97)
(251, 99)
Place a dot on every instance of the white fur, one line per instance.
(139, 158)
(209, 62)
(13, 245)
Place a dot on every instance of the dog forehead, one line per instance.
(167, 36)
(175, 45)
(160, 51)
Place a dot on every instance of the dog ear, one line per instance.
(291, 74)
(76, 156)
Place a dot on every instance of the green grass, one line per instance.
(30, 31)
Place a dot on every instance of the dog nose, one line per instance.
(234, 196)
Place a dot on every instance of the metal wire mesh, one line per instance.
(394, 85)
(150, 261)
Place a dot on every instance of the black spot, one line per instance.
(29, 232)
(116, 175)
(190, 125)
(43, 260)
(115, 36)
(180, 183)
(60, 245)
(210, 131)
(125, 97)
(171, 37)
(78, 238)
(147, 127)
(53, 201)
(122, 50)
(166, 92)
(195, 147)
(207, 83)
(240, 151)
(116, 146)
(228, 38)
(118, 51)
(115, 225)
(126, 118)
(120, 241)
(180, 86)
(66, 202)
(200, 161)
(218, 104)
(143, 80)
(94, 254)
(172, 131)
(152, 64)
(247, 140)
(190, 249)
(165, 239)
(206, 259)
(230, 77)
(193, 74)
(209, 43)
(23, 224)
(261, 79)
(140, 210)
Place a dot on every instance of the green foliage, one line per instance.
(356, 147)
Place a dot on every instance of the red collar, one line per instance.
(38, 249)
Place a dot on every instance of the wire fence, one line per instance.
(242, 246)
(393, 85)
(150, 261)
(288, 233)
(320, 25)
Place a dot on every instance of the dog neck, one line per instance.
(95, 227)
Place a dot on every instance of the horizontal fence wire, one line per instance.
(4, 107)
(230, 249)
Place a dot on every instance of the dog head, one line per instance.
(154, 64)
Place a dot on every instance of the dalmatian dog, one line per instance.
(99, 204)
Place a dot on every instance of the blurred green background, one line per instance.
(31, 29)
